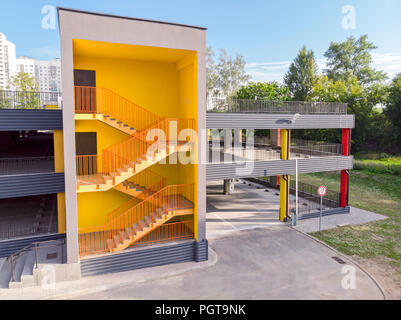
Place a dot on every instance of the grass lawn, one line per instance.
(379, 242)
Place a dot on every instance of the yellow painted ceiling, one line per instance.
(101, 49)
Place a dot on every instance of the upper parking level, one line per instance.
(262, 114)
(30, 110)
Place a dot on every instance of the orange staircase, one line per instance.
(124, 166)
(132, 221)
(96, 103)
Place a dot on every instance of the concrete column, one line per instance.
(67, 77)
(238, 137)
(228, 142)
(228, 186)
(275, 139)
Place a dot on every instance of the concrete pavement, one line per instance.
(253, 256)
(269, 263)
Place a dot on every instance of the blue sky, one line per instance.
(267, 33)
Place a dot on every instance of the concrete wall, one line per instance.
(95, 27)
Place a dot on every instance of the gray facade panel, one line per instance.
(29, 119)
(218, 171)
(277, 121)
(8, 247)
(31, 184)
(141, 258)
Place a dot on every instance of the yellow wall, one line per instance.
(105, 134)
(152, 85)
(93, 207)
(284, 180)
(59, 167)
(166, 88)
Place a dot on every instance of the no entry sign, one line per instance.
(322, 191)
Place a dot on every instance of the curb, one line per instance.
(347, 258)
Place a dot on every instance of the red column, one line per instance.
(344, 175)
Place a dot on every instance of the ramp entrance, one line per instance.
(248, 206)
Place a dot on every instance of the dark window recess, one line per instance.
(85, 78)
(86, 143)
(85, 90)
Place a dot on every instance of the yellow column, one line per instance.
(59, 167)
(284, 179)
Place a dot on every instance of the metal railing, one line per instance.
(310, 200)
(13, 231)
(315, 148)
(96, 239)
(168, 232)
(102, 100)
(14, 166)
(13, 258)
(232, 105)
(134, 149)
(30, 100)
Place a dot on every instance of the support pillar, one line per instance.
(344, 187)
(284, 179)
(228, 186)
(238, 137)
(59, 167)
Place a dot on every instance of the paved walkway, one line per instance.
(355, 217)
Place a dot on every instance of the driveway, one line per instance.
(269, 263)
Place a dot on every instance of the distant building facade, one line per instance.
(7, 61)
(47, 73)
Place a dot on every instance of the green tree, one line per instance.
(225, 76)
(26, 88)
(271, 91)
(24, 82)
(352, 58)
(301, 75)
(265, 91)
(393, 111)
(361, 102)
(211, 73)
(4, 100)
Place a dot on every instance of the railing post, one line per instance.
(12, 269)
(36, 255)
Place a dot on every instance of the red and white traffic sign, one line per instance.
(322, 190)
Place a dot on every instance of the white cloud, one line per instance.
(390, 63)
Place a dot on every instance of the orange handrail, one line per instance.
(109, 103)
(167, 233)
(87, 165)
(169, 198)
(134, 149)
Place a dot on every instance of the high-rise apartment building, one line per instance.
(25, 64)
(7, 61)
(48, 75)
